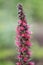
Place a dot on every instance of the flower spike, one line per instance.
(23, 39)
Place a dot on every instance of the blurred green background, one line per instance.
(8, 21)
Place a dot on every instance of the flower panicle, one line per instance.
(23, 39)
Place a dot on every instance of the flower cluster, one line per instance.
(23, 39)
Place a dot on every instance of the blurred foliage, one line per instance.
(7, 35)
(33, 8)
(6, 63)
(7, 53)
(37, 51)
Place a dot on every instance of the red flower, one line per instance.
(29, 53)
(20, 21)
(24, 35)
(31, 63)
(24, 49)
(19, 56)
(28, 43)
(18, 63)
(21, 28)
(25, 59)
(24, 24)
(28, 32)
(18, 44)
(17, 38)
